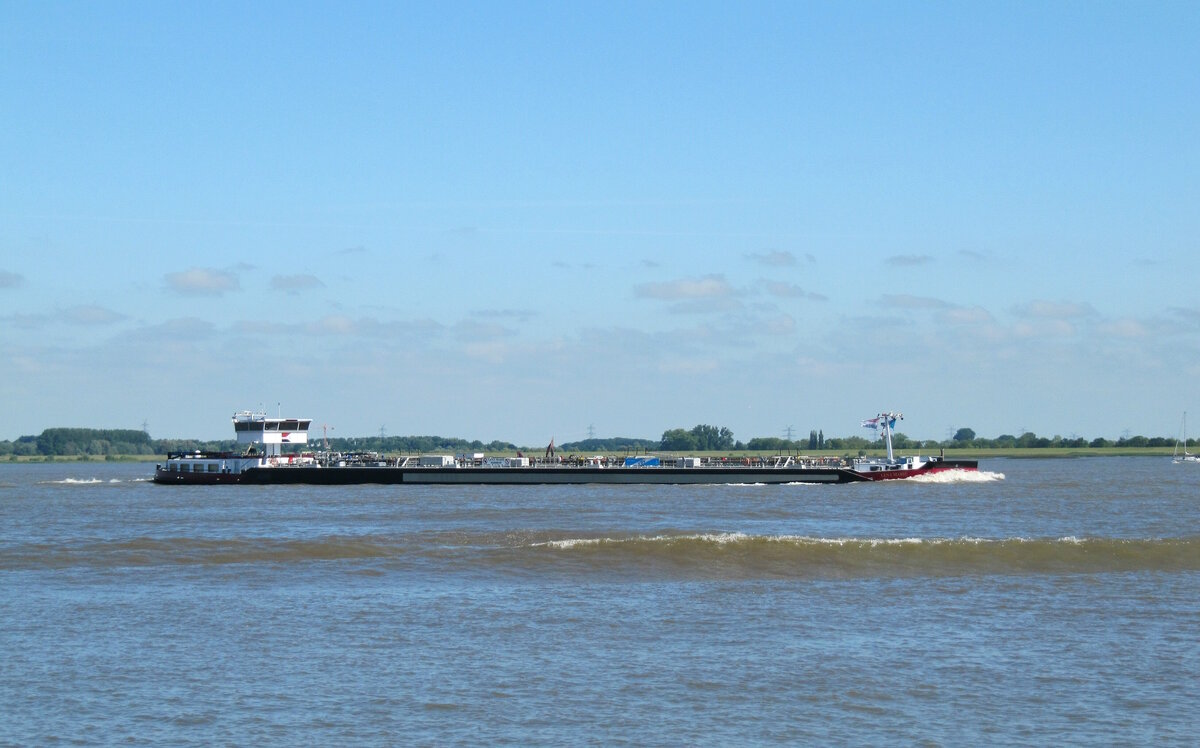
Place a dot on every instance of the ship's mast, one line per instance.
(888, 422)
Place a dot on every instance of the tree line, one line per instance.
(716, 439)
(74, 442)
(61, 442)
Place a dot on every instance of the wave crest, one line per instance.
(796, 555)
(715, 555)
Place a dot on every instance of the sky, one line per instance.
(520, 221)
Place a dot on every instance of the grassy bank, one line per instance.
(981, 454)
(972, 454)
(83, 458)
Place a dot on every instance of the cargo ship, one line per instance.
(263, 460)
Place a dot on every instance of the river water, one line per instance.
(1040, 601)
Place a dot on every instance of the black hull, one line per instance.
(171, 477)
(958, 465)
(361, 475)
(550, 475)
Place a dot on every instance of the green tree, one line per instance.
(847, 443)
(768, 444)
(964, 435)
(678, 440)
(701, 437)
(76, 441)
(712, 438)
(1027, 440)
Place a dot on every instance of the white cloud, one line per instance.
(516, 315)
(773, 259)
(334, 324)
(202, 282)
(962, 315)
(1125, 328)
(1190, 316)
(783, 290)
(1039, 309)
(473, 331)
(294, 284)
(905, 301)
(84, 315)
(1044, 328)
(706, 306)
(970, 254)
(707, 287)
(186, 329)
(10, 280)
(782, 324)
(90, 314)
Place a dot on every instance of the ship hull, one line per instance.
(900, 472)
(342, 476)
(547, 475)
(264, 462)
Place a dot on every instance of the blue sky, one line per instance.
(523, 220)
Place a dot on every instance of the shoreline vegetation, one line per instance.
(979, 454)
(126, 445)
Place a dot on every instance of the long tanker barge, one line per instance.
(263, 461)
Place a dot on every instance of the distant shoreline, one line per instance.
(980, 454)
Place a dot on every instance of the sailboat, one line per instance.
(1182, 441)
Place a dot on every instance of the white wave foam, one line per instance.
(570, 543)
(727, 538)
(721, 538)
(958, 476)
(88, 481)
(849, 541)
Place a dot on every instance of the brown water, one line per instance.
(1040, 601)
